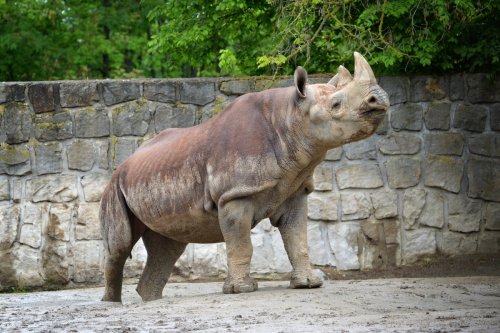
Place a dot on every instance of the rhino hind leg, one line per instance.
(163, 252)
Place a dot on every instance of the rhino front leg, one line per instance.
(293, 229)
(163, 252)
(235, 220)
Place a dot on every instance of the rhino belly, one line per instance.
(188, 228)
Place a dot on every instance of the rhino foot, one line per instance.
(309, 280)
(246, 285)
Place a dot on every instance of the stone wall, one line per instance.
(428, 182)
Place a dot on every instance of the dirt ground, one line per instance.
(353, 302)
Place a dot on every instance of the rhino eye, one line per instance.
(336, 104)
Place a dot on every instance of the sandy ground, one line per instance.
(456, 304)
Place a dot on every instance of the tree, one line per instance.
(68, 39)
(207, 38)
(397, 36)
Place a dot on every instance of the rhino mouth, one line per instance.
(374, 111)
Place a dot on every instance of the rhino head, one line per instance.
(345, 109)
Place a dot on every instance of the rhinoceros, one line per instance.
(216, 181)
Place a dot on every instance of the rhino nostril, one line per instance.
(372, 99)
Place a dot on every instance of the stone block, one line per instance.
(457, 87)
(168, 116)
(55, 261)
(122, 149)
(489, 242)
(48, 158)
(197, 92)
(115, 92)
(317, 241)
(160, 91)
(397, 88)
(399, 144)
(495, 117)
(373, 231)
(4, 188)
(35, 214)
(31, 235)
(11, 92)
(262, 257)
(88, 226)
(437, 116)
(79, 93)
(237, 87)
(383, 126)
(355, 206)
(484, 179)
(61, 217)
(402, 172)
(14, 160)
(481, 89)
(492, 216)
(426, 88)
(209, 259)
(322, 206)
(131, 118)
(433, 211)
(10, 217)
(444, 172)
(392, 232)
(81, 155)
(454, 243)
(447, 143)
(323, 177)
(385, 204)
(470, 117)
(44, 97)
(343, 239)
(464, 214)
(361, 150)
(406, 117)
(413, 205)
(17, 122)
(53, 126)
(52, 188)
(87, 263)
(102, 149)
(93, 185)
(91, 123)
(17, 189)
(26, 264)
(334, 154)
(359, 176)
(418, 243)
(486, 144)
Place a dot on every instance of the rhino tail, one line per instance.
(116, 229)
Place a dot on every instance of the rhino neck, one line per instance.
(294, 146)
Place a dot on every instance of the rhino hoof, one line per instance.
(310, 281)
(235, 287)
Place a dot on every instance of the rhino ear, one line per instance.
(300, 80)
(362, 70)
(342, 77)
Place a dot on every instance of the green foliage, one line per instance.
(71, 39)
(67, 39)
(208, 38)
(397, 36)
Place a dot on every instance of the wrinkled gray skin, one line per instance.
(214, 182)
